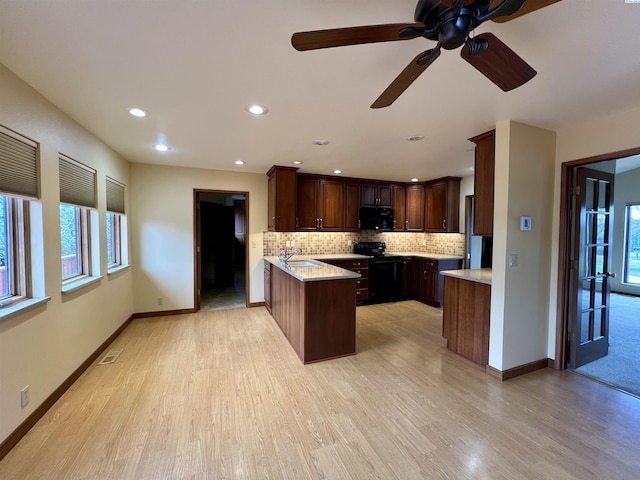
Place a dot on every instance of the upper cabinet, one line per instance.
(442, 205)
(483, 183)
(281, 199)
(399, 207)
(376, 195)
(320, 204)
(414, 221)
(351, 206)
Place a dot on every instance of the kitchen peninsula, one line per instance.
(314, 305)
(466, 313)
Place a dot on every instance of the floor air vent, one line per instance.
(110, 357)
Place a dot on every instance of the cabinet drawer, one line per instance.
(362, 295)
(355, 264)
(362, 283)
(364, 272)
(430, 264)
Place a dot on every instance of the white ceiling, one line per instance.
(196, 64)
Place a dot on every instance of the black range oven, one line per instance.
(385, 272)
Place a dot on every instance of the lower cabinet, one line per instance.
(359, 266)
(407, 278)
(428, 285)
(267, 286)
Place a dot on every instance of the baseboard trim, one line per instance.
(15, 436)
(164, 313)
(256, 304)
(519, 370)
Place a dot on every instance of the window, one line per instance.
(18, 181)
(77, 204)
(116, 225)
(632, 244)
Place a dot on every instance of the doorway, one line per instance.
(221, 253)
(599, 335)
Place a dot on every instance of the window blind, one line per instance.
(18, 165)
(115, 196)
(77, 183)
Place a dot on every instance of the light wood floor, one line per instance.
(221, 394)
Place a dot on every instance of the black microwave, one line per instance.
(376, 218)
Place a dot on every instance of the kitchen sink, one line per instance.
(302, 263)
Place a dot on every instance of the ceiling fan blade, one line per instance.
(406, 78)
(338, 37)
(498, 62)
(528, 7)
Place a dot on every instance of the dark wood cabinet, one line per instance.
(360, 266)
(351, 206)
(376, 195)
(414, 221)
(484, 183)
(267, 286)
(320, 204)
(281, 199)
(407, 277)
(442, 209)
(428, 283)
(399, 207)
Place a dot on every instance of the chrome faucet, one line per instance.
(285, 256)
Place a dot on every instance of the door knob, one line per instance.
(607, 274)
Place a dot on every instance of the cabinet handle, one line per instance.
(424, 275)
(356, 264)
(320, 223)
(406, 224)
(296, 222)
(358, 223)
(394, 223)
(317, 223)
(444, 224)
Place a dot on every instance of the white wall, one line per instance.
(162, 229)
(626, 190)
(607, 134)
(519, 297)
(42, 347)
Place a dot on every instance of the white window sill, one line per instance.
(79, 284)
(21, 307)
(117, 269)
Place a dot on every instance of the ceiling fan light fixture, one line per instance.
(256, 109)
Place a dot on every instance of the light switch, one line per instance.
(513, 260)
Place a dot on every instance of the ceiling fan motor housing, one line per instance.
(455, 30)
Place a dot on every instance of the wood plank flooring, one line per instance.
(222, 395)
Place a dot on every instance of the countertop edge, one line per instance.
(479, 275)
(314, 274)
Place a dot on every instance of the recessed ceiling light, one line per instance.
(321, 143)
(297, 162)
(161, 147)
(239, 162)
(414, 179)
(415, 138)
(138, 112)
(257, 109)
(337, 172)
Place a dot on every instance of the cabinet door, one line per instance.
(407, 277)
(368, 195)
(483, 183)
(271, 203)
(415, 208)
(443, 205)
(399, 207)
(417, 286)
(267, 286)
(385, 196)
(352, 206)
(430, 292)
(281, 200)
(307, 217)
(331, 204)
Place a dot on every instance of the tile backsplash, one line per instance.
(313, 243)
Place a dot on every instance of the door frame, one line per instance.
(197, 264)
(564, 250)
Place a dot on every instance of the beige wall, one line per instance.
(519, 298)
(42, 347)
(162, 226)
(607, 134)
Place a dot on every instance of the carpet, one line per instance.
(621, 367)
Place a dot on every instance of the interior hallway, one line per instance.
(221, 394)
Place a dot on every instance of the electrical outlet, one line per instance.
(513, 260)
(287, 243)
(424, 243)
(293, 243)
(160, 300)
(24, 397)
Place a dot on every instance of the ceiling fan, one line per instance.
(449, 23)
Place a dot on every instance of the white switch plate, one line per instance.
(253, 244)
(513, 260)
(287, 243)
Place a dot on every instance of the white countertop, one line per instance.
(435, 256)
(480, 275)
(323, 271)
